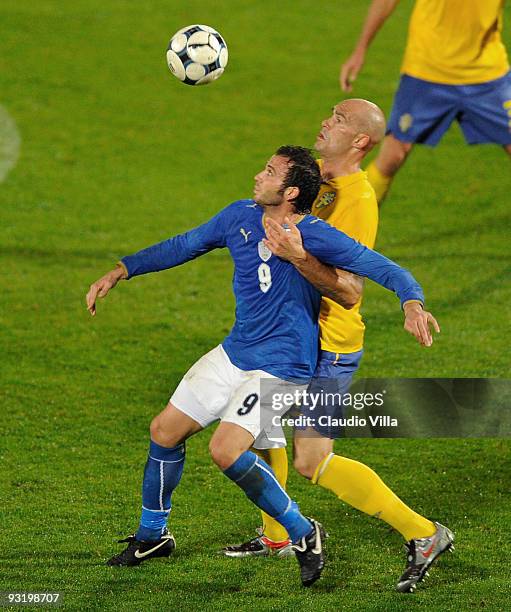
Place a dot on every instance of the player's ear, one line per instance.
(361, 141)
(291, 193)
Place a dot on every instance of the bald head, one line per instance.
(348, 135)
(365, 118)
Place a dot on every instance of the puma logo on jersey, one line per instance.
(245, 234)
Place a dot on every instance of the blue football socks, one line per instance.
(258, 481)
(162, 474)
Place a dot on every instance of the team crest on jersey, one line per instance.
(325, 200)
(263, 250)
(405, 122)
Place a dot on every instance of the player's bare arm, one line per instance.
(343, 287)
(102, 286)
(377, 14)
(418, 322)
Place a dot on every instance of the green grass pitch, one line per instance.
(116, 154)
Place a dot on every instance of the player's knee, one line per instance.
(161, 435)
(396, 161)
(393, 155)
(306, 462)
(222, 454)
(305, 465)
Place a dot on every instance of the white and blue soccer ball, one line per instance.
(197, 55)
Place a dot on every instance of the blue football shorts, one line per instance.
(423, 111)
(330, 385)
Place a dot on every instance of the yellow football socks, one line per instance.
(379, 182)
(276, 458)
(360, 487)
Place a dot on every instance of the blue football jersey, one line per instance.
(276, 326)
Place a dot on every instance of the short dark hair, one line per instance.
(303, 172)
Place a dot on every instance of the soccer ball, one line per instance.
(197, 55)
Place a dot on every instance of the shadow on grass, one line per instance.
(58, 255)
(464, 296)
(473, 228)
(66, 255)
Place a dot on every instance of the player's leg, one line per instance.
(183, 416)
(391, 156)
(229, 449)
(507, 149)
(421, 113)
(272, 538)
(353, 482)
(359, 486)
(163, 469)
(244, 421)
(309, 450)
(162, 474)
(273, 531)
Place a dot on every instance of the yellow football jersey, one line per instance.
(349, 204)
(456, 42)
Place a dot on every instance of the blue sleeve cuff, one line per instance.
(122, 265)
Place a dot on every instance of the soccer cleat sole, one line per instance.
(232, 554)
(285, 551)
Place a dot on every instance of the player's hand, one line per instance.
(101, 287)
(418, 322)
(285, 243)
(351, 68)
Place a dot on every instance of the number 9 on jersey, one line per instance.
(264, 273)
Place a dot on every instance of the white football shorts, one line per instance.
(215, 389)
